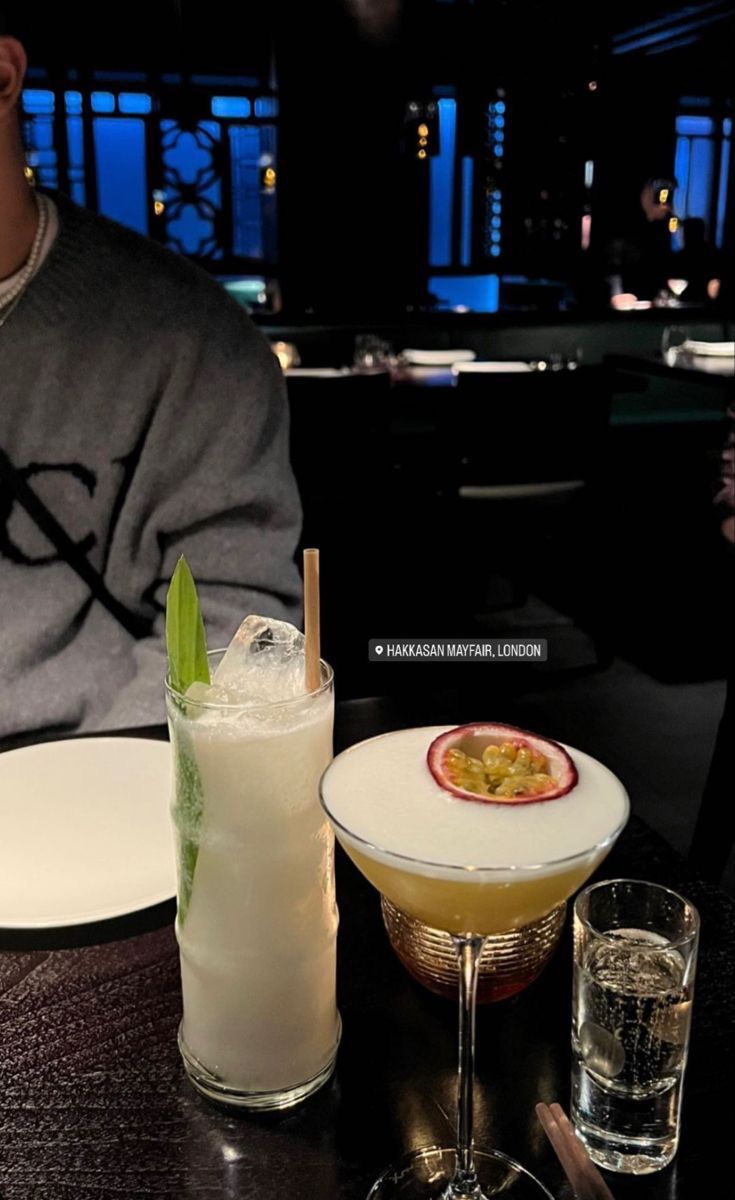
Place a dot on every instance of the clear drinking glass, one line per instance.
(673, 341)
(635, 955)
(468, 903)
(257, 918)
(372, 353)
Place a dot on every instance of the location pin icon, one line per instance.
(378, 649)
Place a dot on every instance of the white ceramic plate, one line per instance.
(85, 831)
(437, 358)
(316, 372)
(492, 368)
(710, 349)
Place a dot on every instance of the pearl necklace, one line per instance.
(25, 275)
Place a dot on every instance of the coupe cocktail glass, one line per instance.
(382, 801)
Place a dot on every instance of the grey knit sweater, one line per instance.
(147, 412)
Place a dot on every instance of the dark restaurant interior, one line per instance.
(490, 245)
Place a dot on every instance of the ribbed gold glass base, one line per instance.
(509, 962)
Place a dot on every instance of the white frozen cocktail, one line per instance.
(257, 919)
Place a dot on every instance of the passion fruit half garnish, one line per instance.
(500, 764)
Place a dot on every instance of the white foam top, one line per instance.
(382, 792)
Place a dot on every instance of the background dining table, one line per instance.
(94, 1103)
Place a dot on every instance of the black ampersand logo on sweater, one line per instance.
(10, 549)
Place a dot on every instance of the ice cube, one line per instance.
(601, 1050)
(208, 693)
(264, 662)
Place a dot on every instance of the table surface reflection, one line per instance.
(95, 1103)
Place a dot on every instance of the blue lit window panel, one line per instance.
(479, 293)
(247, 225)
(38, 101)
(73, 103)
(119, 145)
(441, 187)
(266, 106)
(499, 106)
(499, 122)
(38, 136)
(468, 171)
(701, 167)
(727, 126)
(681, 171)
(103, 102)
(493, 223)
(75, 152)
(694, 126)
(134, 102)
(498, 150)
(722, 188)
(193, 188)
(230, 106)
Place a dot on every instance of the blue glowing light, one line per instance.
(103, 102)
(479, 293)
(441, 187)
(134, 102)
(266, 106)
(695, 126)
(468, 167)
(119, 144)
(38, 100)
(230, 106)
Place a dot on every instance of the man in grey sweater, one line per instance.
(145, 412)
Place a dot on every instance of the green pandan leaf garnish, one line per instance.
(186, 642)
(187, 813)
(186, 645)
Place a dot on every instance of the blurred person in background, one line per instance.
(638, 260)
(142, 416)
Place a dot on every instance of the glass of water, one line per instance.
(635, 955)
(673, 343)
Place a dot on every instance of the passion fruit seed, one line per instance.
(510, 769)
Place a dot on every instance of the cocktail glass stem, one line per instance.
(464, 1186)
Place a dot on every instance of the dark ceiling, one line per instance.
(430, 38)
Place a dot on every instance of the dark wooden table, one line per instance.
(94, 1103)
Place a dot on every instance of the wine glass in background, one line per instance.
(673, 341)
(677, 287)
(565, 355)
(372, 353)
